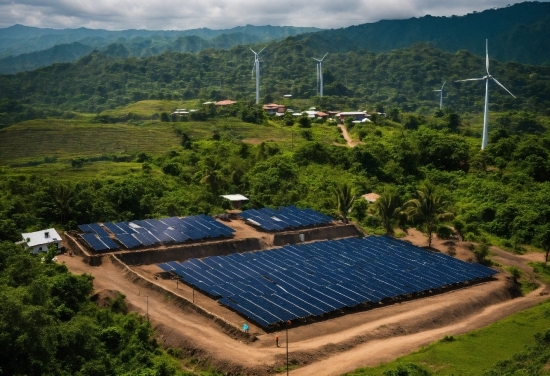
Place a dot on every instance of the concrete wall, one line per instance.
(320, 233)
(185, 252)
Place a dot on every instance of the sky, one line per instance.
(224, 14)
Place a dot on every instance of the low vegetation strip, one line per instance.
(65, 139)
(474, 353)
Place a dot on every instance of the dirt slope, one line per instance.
(335, 345)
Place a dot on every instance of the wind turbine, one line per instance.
(257, 68)
(441, 95)
(320, 74)
(486, 79)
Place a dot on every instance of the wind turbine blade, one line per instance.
(261, 50)
(252, 51)
(487, 54)
(502, 86)
(323, 58)
(317, 60)
(444, 82)
(437, 90)
(471, 79)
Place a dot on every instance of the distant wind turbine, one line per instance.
(257, 68)
(486, 79)
(320, 74)
(441, 95)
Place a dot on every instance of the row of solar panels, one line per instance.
(284, 218)
(153, 231)
(311, 279)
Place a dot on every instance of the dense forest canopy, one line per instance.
(516, 33)
(405, 78)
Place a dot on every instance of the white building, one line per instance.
(38, 241)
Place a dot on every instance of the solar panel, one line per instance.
(94, 242)
(114, 228)
(284, 218)
(109, 242)
(85, 228)
(128, 240)
(312, 279)
(98, 229)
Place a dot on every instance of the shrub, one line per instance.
(451, 251)
(481, 252)
(514, 271)
(444, 232)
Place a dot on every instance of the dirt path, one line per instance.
(347, 137)
(380, 351)
(334, 345)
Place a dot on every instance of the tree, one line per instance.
(304, 122)
(542, 239)
(345, 196)
(428, 210)
(164, 117)
(388, 207)
(212, 175)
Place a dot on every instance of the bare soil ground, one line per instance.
(332, 345)
(347, 137)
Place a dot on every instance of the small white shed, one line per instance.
(38, 241)
(236, 199)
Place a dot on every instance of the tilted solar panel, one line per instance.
(311, 279)
(94, 242)
(128, 240)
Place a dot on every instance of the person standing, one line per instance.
(277, 340)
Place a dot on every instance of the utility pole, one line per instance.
(287, 325)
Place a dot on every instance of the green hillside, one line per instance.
(404, 78)
(516, 33)
(25, 48)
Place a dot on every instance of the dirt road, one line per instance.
(347, 137)
(337, 344)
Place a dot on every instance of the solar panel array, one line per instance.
(149, 232)
(284, 218)
(303, 280)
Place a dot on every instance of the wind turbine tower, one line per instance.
(257, 68)
(441, 95)
(486, 78)
(320, 74)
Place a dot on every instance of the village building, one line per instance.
(356, 115)
(371, 197)
(39, 241)
(274, 109)
(225, 102)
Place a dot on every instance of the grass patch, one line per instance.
(148, 108)
(542, 270)
(64, 139)
(283, 368)
(474, 352)
(46, 141)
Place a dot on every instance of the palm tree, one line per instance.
(212, 175)
(428, 210)
(345, 197)
(62, 195)
(388, 208)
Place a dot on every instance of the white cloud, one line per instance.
(220, 14)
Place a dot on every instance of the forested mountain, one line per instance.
(137, 47)
(40, 43)
(516, 33)
(404, 78)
